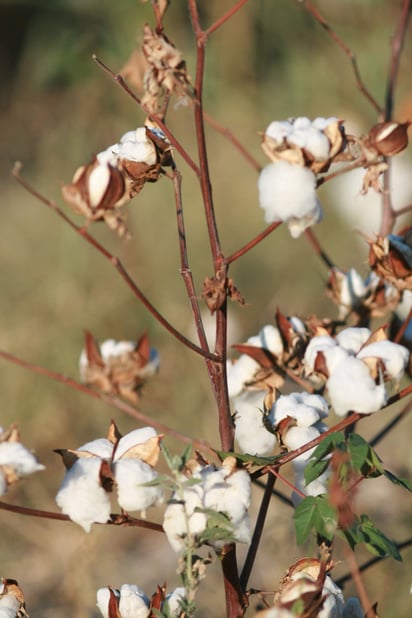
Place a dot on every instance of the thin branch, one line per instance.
(358, 581)
(119, 79)
(110, 400)
(115, 261)
(397, 46)
(318, 249)
(370, 563)
(346, 50)
(115, 519)
(257, 532)
(402, 330)
(227, 133)
(184, 262)
(224, 18)
(252, 243)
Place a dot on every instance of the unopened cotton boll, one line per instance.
(395, 357)
(81, 495)
(98, 183)
(250, 433)
(351, 388)
(133, 602)
(131, 476)
(288, 193)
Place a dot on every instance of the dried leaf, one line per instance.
(147, 451)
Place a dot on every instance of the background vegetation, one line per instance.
(57, 108)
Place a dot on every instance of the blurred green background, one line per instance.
(57, 108)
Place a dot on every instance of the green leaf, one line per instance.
(376, 541)
(397, 481)
(329, 444)
(246, 458)
(314, 469)
(314, 513)
(363, 458)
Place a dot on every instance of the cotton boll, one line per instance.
(81, 495)
(317, 402)
(227, 494)
(316, 344)
(103, 599)
(133, 438)
(239, 373)
(306, 409)
(352, 289)
(15, 455)
(334, 356)
(334, 602)
(140, 152)
(351, 388)
(288, 193)
(133, 602)
(250, 433)
(98, 182)
(111, 348)
(173, 601)
(181, 520)
(102, 447)
(278, 130)
(317, 144)
(271, 340)
(131, 475)
(108, 156)
(301, 122)
(299, 436)
(352, 339)
(395, 357)
(322, 123)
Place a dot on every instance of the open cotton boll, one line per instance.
(317, 344)
(102, 447)
(181, 521)
(352, 289)
(288, 193)
(227, 494)
(131, 475)
(174, 600)
(317, 144)
(278, 130)
(322, 123)
(103, 599)
(133, 602)
(111, 348)
(108, 156)
(395, 357)
(131, 439)
(270, 339)
(305, 410)
(352, 339)
(239, 373)
(301, 122)
(81, 495)
(251, 435)
(16, 456)
(334, 601)
(334, 356)
(351, 388)
(299, 436)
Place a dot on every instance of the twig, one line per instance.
(115, 519)
(341, 581)
(318, 249)
(257, 532)
(224, 18)
(119, 79)
(252, 243)
(110, 400)
(115, 261)
(396, 50)
(227, 133)
(346, 50)
(358, 581)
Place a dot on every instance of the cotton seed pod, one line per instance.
(389, 138)
(390, 257)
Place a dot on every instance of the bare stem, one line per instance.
(224, 18)
(396, 50)
(252, 243)
(318, 249)
(108, 399)
(358, 581)
(346, 50)
(115, 261)
(257, 532)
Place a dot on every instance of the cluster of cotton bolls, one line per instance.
(298, 148)
(16, 460)
(131, 602)
(222, 489)
(129, 462)
(355, 367)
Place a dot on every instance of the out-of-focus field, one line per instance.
(57, 108)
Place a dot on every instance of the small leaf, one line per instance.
(376, 541)
(248, 459)
(328, 444)
(314, 469)
(315, 513)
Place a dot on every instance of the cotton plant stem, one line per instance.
(257, 532)
(252, 243)
(318, 249)
(116, 519)
(116, 263)
(115, 402)
(359, 583)
(224, 18)
(398, 40)
(346, 50)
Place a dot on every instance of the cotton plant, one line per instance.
(127, 602)
(118, 367)
(126, 462)
(357, 366)
(298, 149)
(16, 461)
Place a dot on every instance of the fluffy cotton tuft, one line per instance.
(250, 432)
(132, 494)
(287, 193)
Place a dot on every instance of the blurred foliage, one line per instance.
(57, 108)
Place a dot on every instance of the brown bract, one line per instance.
(11, 588)
(390, 259)
(118, 375)
(216, 289)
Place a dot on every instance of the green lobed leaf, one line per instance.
(315, 513)
(251, 459)
(328, 445)
(314, 469)
(363, 457)
(397, 481)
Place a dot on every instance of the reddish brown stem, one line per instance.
(252, 243)
(224, 18)
(346, 50)
(110, 400)
(115, 261)
(396, 50)
(358, 581)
